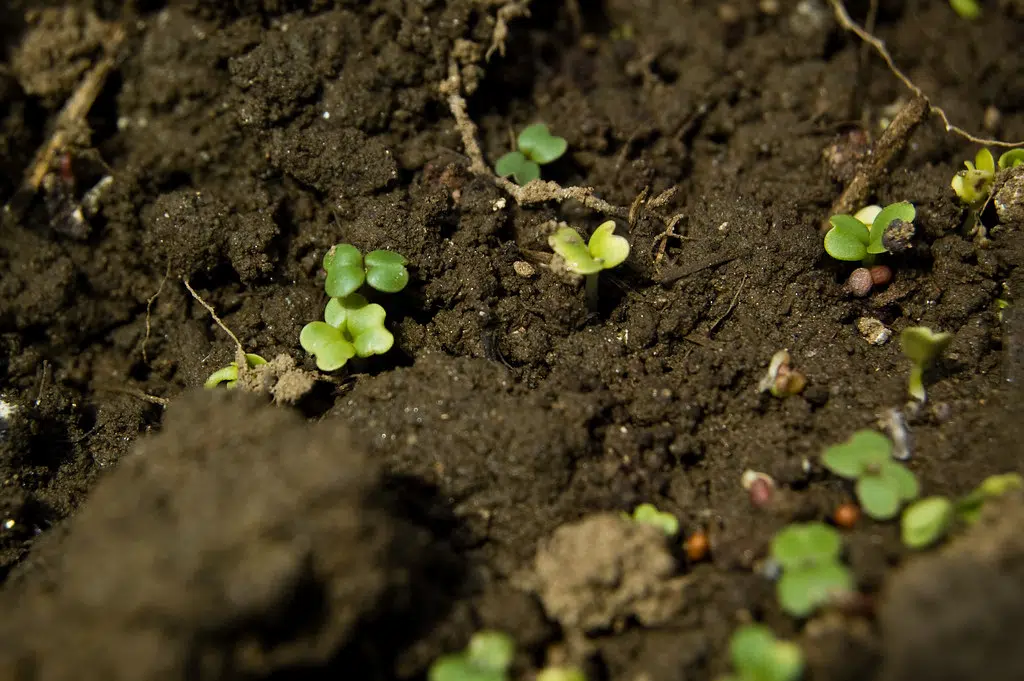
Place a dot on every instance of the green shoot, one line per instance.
(758, 656)
(648, 514)
(883, 485)
(923, 346)
(604, 251)
(537, 147)
(347, 270)
(862, 236)
(974, 185)
(811, 572)
(969, 508)
(486, 658)
(926, 521)
(352, 326)
(229, 374)
(967, 9)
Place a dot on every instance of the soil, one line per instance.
(151, 529)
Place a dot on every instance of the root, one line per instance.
(222, 325)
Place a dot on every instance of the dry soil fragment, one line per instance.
(604, 569)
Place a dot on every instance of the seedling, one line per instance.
(347, 269)
(229, 374)
(967, 9)
(969, 508)
(561, 673)
(486, 658)
(974, 185)
(648, 514)
(758, 656)
(926, 521)
(811, 572)
(537, 147)
(352, 327)
(883, 485)
(604, 251)
(923, 346)
(862, 236)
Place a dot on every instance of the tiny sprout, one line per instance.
(352, 327)
(967, 9)
(347, 269)
(758, 656)
(604, 251)
(923, 346)
(229, 374)
(648, 514)
(486, 658)
(883, 485)
(926, 521)
(811, 572)
(974, 185)
(537, 147)
(781, 379)
(994, 486)
(861, 236)
(561, 673)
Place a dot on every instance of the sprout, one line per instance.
(561, 673)
(967, 9)
(347, 270)
(648, 514)
(992, 487)
(974, 185)
(883, 485)
(758, 656)
(604, 251)
(229, 374)
(926, 521)
(923, 346)
(811, 572)
(862, 236)
(486, 658)
(537, 147)
(352, 326)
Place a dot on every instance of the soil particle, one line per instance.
(628, 573)
(58, 48)
(958, 614)
(237, 541)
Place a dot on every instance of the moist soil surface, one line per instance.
(472, 477)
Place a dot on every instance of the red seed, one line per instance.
(880, 275)
(761, 492)
(846, 515)
(697, 546)
(860, 282)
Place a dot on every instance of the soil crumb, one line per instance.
(238, 542)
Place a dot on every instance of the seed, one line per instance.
(880, 275)
(860, 282)
(697, 546)
(846, 515)
(761, 492)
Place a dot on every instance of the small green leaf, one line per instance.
(385, 271)
(509, 164)
(969, 507)
(922, 345)
(365, 325)
(983, 161)
(606, 247)
(848, 238)
(803, 590)
(967, 9)
(527, 173)
(345, 274)
(907, 486)
(1011, 158)
(539, 145)
(805, 543)
(879, 496)
(925, 522)
(648, 514)
(336, 313)
(756, 654)
(568, 243)
(491, 650)
(228, 374)
(902, 210)
(327, 344)
(864, 448)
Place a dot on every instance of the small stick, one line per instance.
(873, 169)
(213, 313)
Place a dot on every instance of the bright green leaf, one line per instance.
(509, 164)
(922, 345)
(926, 521)
(336, 313)
(606, 247)
(803, 590)
(848, 238)
(385, 271)
(491, 650)
(983, 161)
(902, 210)
(648, 514)
(568, 243)
(527, 173)
(864, 448)
(1011, 158)
(805, 543)
(879, 496)
(345, 274)
(365, 325)
(757, 655)
(967, 9)
(907, 486)
(327, 344)
(540, 145)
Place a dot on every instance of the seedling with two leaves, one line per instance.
(868, 233)
(353, 326)
(648, 514)
(536, 147)
(486, 658)
(229, 374)
(974, 185)
(812, 574)
(604, 251)
(927, 521)
(883, 485)
(758, 656)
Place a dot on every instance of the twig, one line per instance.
(846, 22)
(213, 313)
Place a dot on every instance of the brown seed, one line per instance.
(761, 492)
(846, 515)
(697, 546)
(880, 275)
(860, 282)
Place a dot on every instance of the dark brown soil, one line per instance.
(396, 509)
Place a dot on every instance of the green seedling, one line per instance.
(812, 574)
(561, 673)
(926, 521)
(537, 147)
(604, 251)
(648, 514)
(969, 508)
(967, 9)
(974, 185)
(923, 346)
(883, 485)
(861, 236)
(347, 270)
(758, 656)
(486, 658)
(229, 374)
(352, 327)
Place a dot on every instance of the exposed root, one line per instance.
(213, 313)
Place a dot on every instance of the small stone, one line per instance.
(873, 330)
(524, 269)
(860, 282)
(898, 235)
